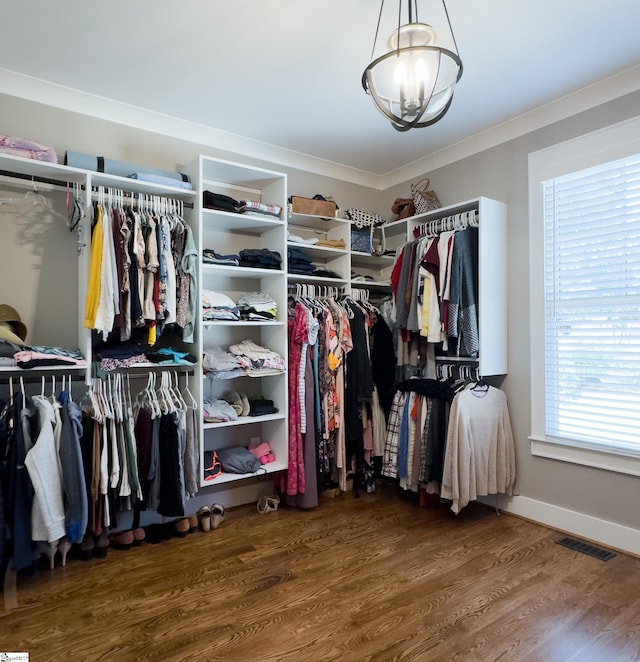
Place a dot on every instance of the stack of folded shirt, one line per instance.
(332, 243)
(39, 356)
(27, 149)
(7, 352)
(260, 258)
(209, 256)
(259, 406)
(119, 355)
(323, 272)
(220, 364)
(257, 306)
(218, 411)
(222, 202)
(218, 306)
(170, 356)
(261, 208)
(301, 240)
(256, 360)
(299, 262)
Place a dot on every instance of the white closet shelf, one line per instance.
(239, 223)
(272, 467)
(321, 280)
(316, 222)
(370, 260)
(370, 284)
(244, 420)
(138, 186)
(241, 272)
(33, 168)
(148, 366)
(319, 251)
(63, 173)
(30, 372)
(206, 375)
(236, 323)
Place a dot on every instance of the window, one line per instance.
(585, 299)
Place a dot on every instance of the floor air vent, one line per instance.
(586, 548)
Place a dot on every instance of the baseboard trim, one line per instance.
(607, 534)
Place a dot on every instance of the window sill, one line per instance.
(616, 460)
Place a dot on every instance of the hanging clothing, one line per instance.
(480, 453)
(142, 272)
(47, 513)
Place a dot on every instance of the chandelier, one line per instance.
(413, 79)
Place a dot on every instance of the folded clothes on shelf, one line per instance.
(160, 179)
(222, 202)
(218, 411)
(257, 360)
(209, 256)
(259, 406)
(238, 401)
(218, 306)
(251, 206)
(257, 306)
(260, 258)
(27, 149)
(302, 240)
(217, 359)
(170, 356)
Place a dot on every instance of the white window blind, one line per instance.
(592, 305)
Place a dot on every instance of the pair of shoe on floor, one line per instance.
(125, 539)
(50, 549)
(210, 517)
(267, 504)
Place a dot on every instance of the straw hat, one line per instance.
(11, 316)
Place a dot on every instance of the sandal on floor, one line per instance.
(204, 518)
(267, 504)
(217, 515)
(181, 527)
(193, 523)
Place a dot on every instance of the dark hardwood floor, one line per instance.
(375, 578)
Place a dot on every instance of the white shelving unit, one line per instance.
(336, 260)
(228, 233)
(47, 177)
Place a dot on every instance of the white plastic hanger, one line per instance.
(33, 205)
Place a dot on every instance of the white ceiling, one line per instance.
(287, 72)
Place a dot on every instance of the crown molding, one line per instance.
(59, 96)
(66, 98)
(607, 89)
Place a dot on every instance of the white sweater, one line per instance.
(480, 454)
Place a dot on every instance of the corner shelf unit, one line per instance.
(334, 261)
(491, 218)
(228, 233)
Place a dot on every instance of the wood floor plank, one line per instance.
(374, 578)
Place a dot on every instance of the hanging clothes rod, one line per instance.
(436, 226)
(64, 184)
(137, 197)
(33, 178)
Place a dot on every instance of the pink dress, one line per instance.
(298, 334)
